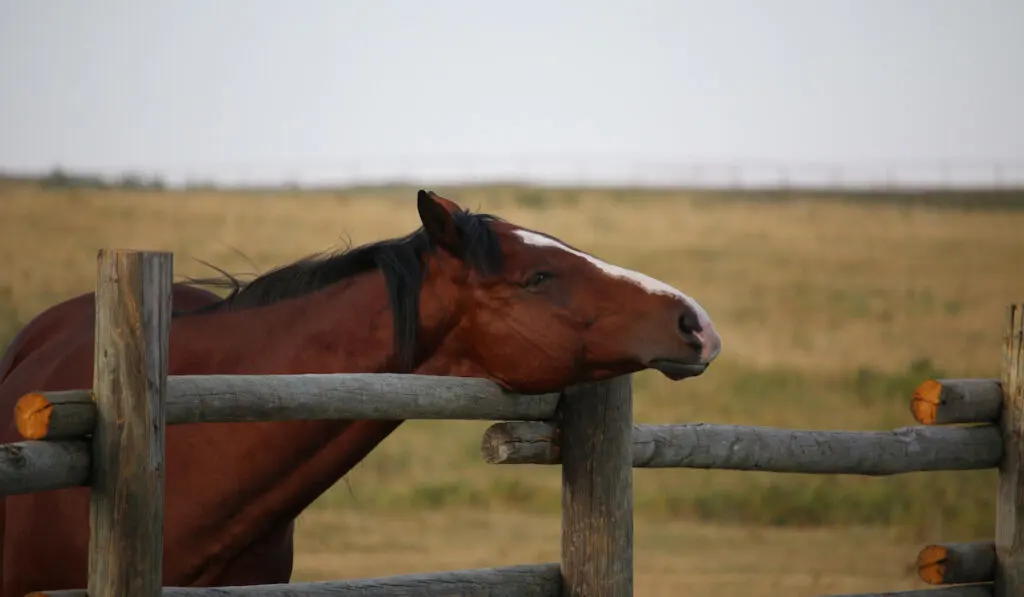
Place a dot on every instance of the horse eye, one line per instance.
(537, 278)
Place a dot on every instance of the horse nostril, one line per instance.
(689, 327)
(689, 323)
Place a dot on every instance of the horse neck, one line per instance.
(343, 328)
(269, 472)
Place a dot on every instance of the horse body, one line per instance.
(464, 296)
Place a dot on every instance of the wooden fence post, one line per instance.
(126, 506)
(1010, 501)
(597, 489)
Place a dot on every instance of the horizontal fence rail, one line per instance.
(948, 401)
(54, 461)
(534, 580)
(31, 466)
(749, 448)
(957, 563)
(251, 398)
(979, 590)
(538, 580)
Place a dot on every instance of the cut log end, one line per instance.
(497, 455)
(32, 416)
(520, 442)
(931, 564)
(957, 563)
(925, 402)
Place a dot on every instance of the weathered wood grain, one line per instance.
(31, 466)
(1010, 496)
(528, 442)
(126, 504)
(948, 401)
(533, 580)
(748, 448)
(698, 445)
(238, 398)
(957, 563)
(597, 489)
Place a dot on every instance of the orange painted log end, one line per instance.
(925, 402)
(32, 415)
(931, 564)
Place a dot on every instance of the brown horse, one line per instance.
(465, 295)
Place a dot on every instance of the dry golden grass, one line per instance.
(831, 312)
(671, 559)
(811, 285)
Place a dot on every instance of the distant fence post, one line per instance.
(1010, 501)
(597, 489)
(126, 506)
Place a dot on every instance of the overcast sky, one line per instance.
(314, 88)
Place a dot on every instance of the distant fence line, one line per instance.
(557, 170)
(964, 424)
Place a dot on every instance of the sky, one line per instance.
(315, 90)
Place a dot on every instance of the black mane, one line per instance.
(399, 259)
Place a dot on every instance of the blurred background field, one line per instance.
(832, 308)
(841, 184)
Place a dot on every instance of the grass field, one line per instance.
(831, 312)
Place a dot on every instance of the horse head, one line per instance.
(533, 313)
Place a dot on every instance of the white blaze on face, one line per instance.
(643, 281)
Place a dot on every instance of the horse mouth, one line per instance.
(677, 370)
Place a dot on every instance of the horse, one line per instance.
(466, 294)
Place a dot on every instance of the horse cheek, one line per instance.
(542, 343)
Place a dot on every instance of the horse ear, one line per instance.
(438, 217)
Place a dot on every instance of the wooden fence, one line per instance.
(965, 424)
